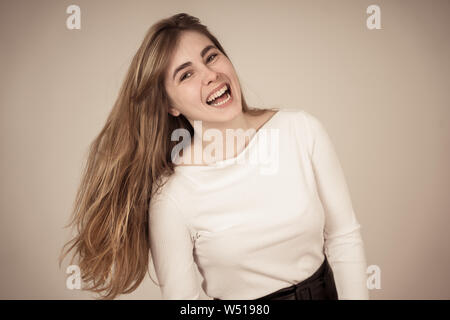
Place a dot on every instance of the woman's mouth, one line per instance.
(223, 100)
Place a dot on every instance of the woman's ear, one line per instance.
(174, 112)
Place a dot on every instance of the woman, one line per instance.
(252, 234)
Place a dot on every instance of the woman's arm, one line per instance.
(343, 245)
(172, 251)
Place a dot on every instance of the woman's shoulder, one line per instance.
(301, 124)
(283, 110)
(300, 118)
(290, 112)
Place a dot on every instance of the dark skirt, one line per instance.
(319, 286)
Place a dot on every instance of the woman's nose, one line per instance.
(209, 75)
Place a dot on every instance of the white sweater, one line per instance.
(253, 227)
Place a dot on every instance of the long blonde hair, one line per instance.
(125, 164)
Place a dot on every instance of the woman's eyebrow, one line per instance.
(186, 64)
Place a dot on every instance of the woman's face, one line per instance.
(190, 87)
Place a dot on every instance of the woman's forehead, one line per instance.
(191, 41)
(189, 46)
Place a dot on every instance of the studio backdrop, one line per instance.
(375, 73)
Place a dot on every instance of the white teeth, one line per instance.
(220, 103)
(217, 94)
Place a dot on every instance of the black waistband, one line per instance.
(317, 276)
(314, 279)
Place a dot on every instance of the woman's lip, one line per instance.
(229, 91)
(226, 104)
(217, 89)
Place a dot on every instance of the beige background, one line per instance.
(383, 96)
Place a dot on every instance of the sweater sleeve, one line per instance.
(343, 243)
(171, 249)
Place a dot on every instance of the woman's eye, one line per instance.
(184, 75)
(214, 54)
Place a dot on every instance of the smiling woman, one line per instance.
(252, 233)
(132, 154)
